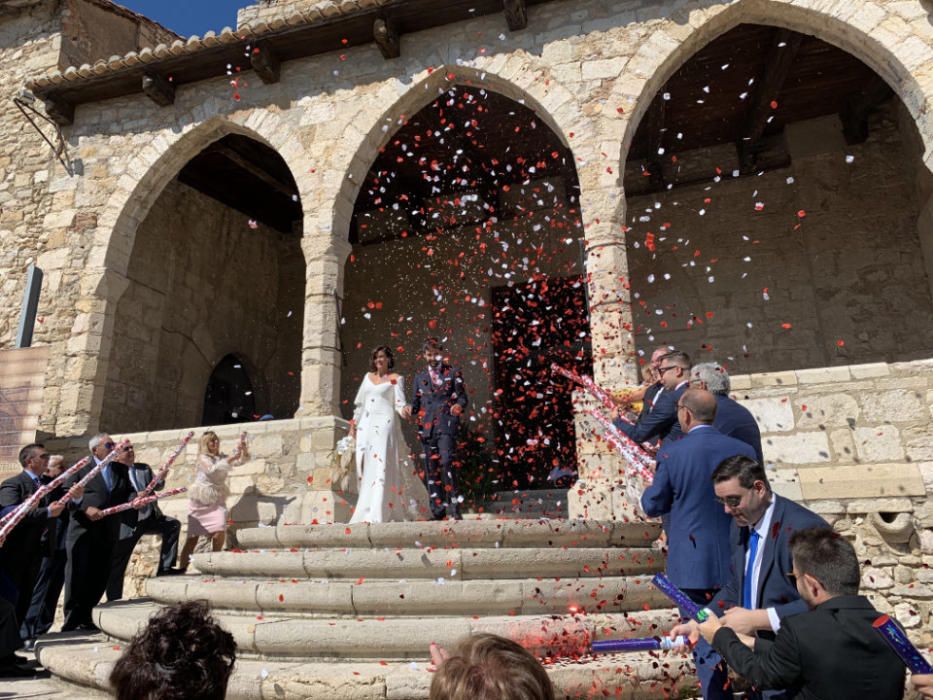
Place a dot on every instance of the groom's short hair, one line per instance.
(431, 344)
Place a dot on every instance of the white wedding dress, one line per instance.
(389, 488)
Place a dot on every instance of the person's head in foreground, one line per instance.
(825, 565)
(181, 655)
(489, 667)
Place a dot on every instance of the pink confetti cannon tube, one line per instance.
(163, 472)
(96, 470)
(15, 517)
(639, 462)
(144, 500)
(594, 390)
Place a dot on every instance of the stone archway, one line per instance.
(91, 348)
(467, 227)
(772, 222)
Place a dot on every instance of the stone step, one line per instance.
(299, 596)
(473, 533)
(87, 663)
(390, 637)
(449, 564)
(524, 503)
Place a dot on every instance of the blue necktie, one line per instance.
(749, 570)
(105, 472)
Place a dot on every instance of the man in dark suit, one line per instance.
(831, 652)
(51, 578)
(732, 418)
(91, 537)
(759, 594)
(438, 400)
(148, 520)
(661, 421)
(21, 554)
(697, 528)
(652, 392)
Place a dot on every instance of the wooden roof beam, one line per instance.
(265, 62)
(854, 115)
(386, 38)
(254, 170)
(784, 46)
(516, 14)
(158, 89)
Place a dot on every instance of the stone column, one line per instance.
(320, 356)
(600, 491)
(87, 352)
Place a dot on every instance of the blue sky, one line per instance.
(189, 17)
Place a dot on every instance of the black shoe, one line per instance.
(87, 627)
(29, 645)
(172, 572)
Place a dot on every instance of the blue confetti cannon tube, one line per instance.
(617, 646)
(679, 598)
(895, 636)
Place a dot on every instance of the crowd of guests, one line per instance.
(779, 586)
(70, 544)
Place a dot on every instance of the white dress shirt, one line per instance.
(762, 528)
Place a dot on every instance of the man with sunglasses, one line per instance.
(661, 421)
(830, 652)
(759, 594)
(91, 538)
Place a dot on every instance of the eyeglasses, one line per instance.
(43, 456)
(110, 445)
(662, 370)
(731, 501)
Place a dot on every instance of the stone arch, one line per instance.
(357, 159)
(853, 28)
(105, 281)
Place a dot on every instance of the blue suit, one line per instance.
(734, 420)
(697, 526)
(775, 589)
(697, 530)
(660, 422)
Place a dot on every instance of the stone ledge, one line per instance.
(861, 481)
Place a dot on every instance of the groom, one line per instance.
(438, 399)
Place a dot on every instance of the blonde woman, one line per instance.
(207, 496)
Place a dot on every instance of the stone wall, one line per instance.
(203, 283)
(853, 443)
(820, 276)
(293, 476)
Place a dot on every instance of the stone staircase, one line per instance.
(527, 503)
(348, 611)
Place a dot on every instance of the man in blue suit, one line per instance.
(759, 593)
(438, 400)
(697, 528)
(661, 421)
(732, 418)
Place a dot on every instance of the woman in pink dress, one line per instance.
(207, 496)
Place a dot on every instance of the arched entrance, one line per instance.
(467, 227)
(216, 263)
(229, 396)
(773, 207)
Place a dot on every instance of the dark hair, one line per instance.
(680, 359)
(746, 469)
(25, 454)
(431, 343)
(488, 667)
(382, 348)
(181, 655)
(828, 558)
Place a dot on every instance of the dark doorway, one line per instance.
(534, 325)
(229, 397)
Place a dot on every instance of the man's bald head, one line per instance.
(701, 404)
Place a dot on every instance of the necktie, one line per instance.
(750, 569)
(105, 472)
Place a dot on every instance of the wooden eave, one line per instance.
(209, 57)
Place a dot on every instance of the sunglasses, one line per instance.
(110, 445)
(731, 501)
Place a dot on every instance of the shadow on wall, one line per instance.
(254, 508)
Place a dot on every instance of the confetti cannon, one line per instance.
(619, 646)
(679, 598)
(902, 646)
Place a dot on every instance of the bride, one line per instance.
(389, 489)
